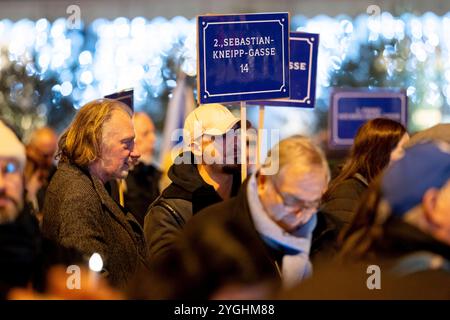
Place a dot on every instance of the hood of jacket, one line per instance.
(185, 179)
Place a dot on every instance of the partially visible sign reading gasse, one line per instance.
(303, 49)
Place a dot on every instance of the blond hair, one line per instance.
(80, 144)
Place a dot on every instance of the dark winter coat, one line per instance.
(336, 212)
(142, 188)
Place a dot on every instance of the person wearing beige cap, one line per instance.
(207, 172)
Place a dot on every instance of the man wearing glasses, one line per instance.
(278, 207)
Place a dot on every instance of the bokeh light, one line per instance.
(408, 51)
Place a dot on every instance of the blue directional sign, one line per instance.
(243, 57)
(125, 96)
(302, 71)
(351, 108)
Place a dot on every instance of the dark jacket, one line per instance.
(324, 244)
(335, 213)
(183, 198)
(26, 257)
(402, 242)
(41, 192)
(79, 213)
(237, 209)
(343, 201)
(20, 244)
(412, 265)
(142, 188)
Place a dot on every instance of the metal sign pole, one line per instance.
(243, 140)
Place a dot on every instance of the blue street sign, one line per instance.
(302, 71)
(351, 108)
(125, 96)
(243, 57)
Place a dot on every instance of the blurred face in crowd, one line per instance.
(11, 189)
(118, 150)
(291, 197)
(399, 150)
(42, 146)
(145, 136)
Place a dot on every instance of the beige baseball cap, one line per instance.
(211, 119)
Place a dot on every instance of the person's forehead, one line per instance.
(293, 176)
(143, 122)
(44, 141)
(46, 136)
(119, 124)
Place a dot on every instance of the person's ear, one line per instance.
(429, 201)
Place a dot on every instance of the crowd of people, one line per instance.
(288, 230)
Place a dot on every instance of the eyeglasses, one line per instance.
(9, 167)
(295, 204)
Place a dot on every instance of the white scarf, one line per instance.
(295, 267)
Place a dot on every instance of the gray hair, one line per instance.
(298, 150)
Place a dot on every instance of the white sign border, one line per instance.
(311, 46)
